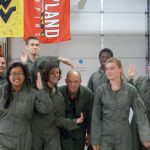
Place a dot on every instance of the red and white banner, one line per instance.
(49, 20)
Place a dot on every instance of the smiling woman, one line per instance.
(17, 104)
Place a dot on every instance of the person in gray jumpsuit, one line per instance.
(77, 99)
(31, 53)
(17, 103)
(46, 128)
(142, 83)
(2, 70)
(99, 77)
(110, 125)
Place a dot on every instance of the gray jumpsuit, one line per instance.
(96, 79)
(15, 130)
(46, 128)
(143, 86)
(3, 79)
(110, 125)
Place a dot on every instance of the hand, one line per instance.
(66, 61)
(39, 83)
(81, 119)
(131, 71)
(146, 144)
(88, 140)
(24, 56)
(96, 147)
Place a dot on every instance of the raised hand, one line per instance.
(39, 83)
(131, 71)
(24, 56)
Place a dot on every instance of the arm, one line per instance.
(66, 123)
(96, 123)
(90, 100)
(139, 110)
(65, 61)
(43, 103)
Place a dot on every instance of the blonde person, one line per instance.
(113, 100)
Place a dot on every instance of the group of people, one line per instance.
(36, 114)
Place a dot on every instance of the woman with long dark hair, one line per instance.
(17, 103)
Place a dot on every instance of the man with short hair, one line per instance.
(99, 77)
(30, 57)
(77, 99)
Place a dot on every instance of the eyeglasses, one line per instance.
(17, 74)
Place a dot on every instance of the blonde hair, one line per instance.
(118, 63)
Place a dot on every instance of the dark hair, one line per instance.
(8, 94)
(46, 73)
(31, 38)
(107, 50)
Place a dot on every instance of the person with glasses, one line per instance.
(3, 66)
(17, 104)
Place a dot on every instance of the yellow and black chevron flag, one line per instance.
(11, 18)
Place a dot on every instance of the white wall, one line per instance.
(124, 32)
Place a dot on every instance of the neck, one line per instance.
(73, 95)
(103, 68)
(52, 86)
(33, 57)
(17, 88)
(115, 84)
(1, 74)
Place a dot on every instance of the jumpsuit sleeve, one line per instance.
(96, 125)
(43, 103)
(139, 110)
(137, 83)
(62, 122)
(90, 97)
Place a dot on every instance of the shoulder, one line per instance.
(86, 90)
(129, 87)
(61, 88)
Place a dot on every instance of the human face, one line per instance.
(73, 82)
(34, 47)
(103, 58)
(16, 78)
(2, 65)
(54, 75)
(113, 71)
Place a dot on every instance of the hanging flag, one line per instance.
(49, 20)
(11, 18)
